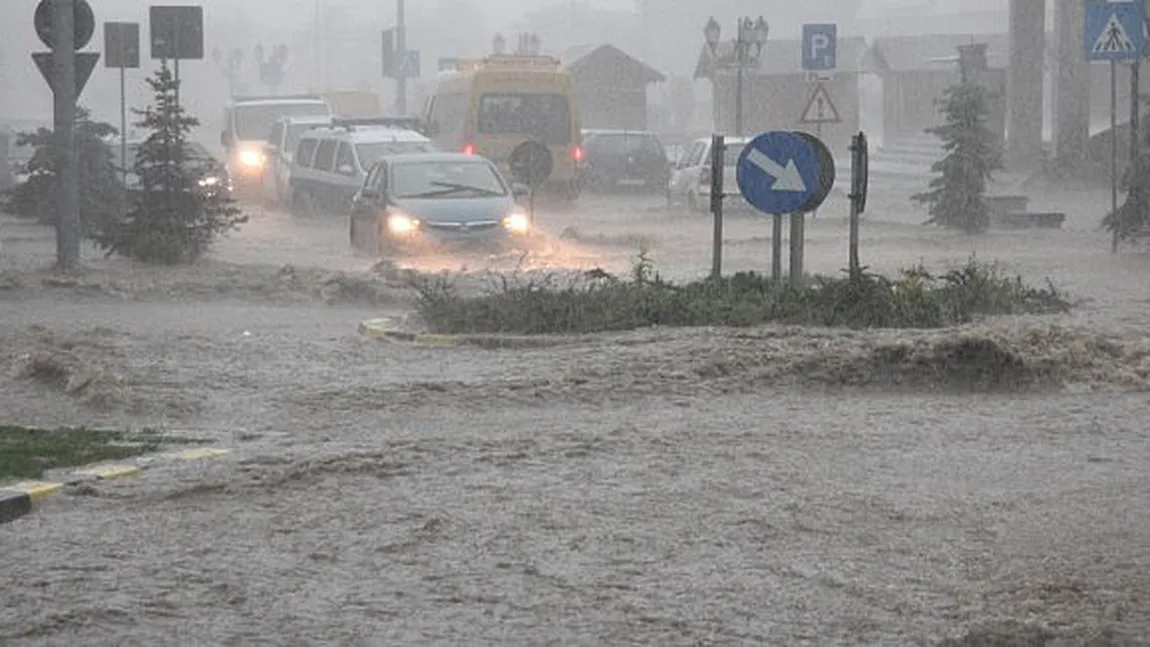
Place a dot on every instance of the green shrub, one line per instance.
(597, 301)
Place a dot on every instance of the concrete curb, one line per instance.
(19, 499)
(386, 328)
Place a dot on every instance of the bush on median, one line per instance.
(598, 301)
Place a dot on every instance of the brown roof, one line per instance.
(782, 57)
(579, 59)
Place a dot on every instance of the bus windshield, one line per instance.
(546, 117)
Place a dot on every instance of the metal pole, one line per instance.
(777, 249)
(796, 248)
(1114, 153)
(123, 126)
(856, 157)
(64, 109)
(401, 48)
(718, 154)
(739, 88)
(1135, 69)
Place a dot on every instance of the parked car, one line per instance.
(625, 159)
(212, 175)
(331, 164)
(427, 200)
(690, 182)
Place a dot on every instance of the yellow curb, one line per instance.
(196, 454)
(108, 471)
(384, 329)
(36, 490)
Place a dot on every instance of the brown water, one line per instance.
(768, 486)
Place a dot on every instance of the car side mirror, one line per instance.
(520, 190)
(345, 169)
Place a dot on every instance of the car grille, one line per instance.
(462, 227)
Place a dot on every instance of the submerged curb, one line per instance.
(19, 499)
(385, 328)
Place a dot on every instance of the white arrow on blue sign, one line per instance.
(782, 172)
(1114, 31)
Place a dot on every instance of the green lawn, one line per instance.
(27, 453)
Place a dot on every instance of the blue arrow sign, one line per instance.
(781, 172)
(1114, 30)
(820, 47)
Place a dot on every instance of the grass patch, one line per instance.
(597, 301)
(26, 453)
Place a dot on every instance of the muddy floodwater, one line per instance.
(770, 486)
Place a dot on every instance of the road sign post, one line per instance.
(718, 154)
(860, 182)
(122, 51)
(785, 173)
(65, 26)
(1114, 31)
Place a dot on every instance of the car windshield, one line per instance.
(254, 122)
(445, 179)
(294, 133)
(546, 117)
(373, 152)
(625, 144)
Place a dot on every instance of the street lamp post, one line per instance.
(747, 47)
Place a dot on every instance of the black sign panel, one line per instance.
(177, 32)
(531, 163)
(84, 23)
(122, 44)
(85, 63)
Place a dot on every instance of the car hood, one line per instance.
(456, 209)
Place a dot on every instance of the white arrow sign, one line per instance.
(786, 178)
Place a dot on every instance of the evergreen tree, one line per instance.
(956, 198)
(101, 194)
(171, 219)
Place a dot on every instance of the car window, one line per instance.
(255, 121)
(294, 133)
(372, 176)
(325, 155)
(696, 155)
(305, 152)
(374, 151)
(547, 117)
(344, 160)
(445, 179)
(625, 144)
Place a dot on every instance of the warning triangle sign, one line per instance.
(1113, 38)
(85, 63)
(820, 109)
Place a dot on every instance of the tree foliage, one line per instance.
(956, 197)
(100, 190)
(171, 218)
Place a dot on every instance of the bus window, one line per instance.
(546, 117)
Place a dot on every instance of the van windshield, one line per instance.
(254, 122)
(546, 117)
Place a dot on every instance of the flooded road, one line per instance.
(670, 487)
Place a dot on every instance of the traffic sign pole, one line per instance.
(64, 112)
(401, 46)
(718, 157)
(1114, 151)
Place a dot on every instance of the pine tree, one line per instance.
(172, 219)
(101, 194)
(956, 198)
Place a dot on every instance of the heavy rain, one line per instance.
(595, 322)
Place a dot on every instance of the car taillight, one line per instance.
(705, 175)
(469, 149)
(577, 153)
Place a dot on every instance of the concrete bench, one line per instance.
(1007, 203)
(1028, 220)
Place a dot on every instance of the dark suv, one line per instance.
(619, 159)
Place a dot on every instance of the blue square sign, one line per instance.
(820, 47)
(1114, 30)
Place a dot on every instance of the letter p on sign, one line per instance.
(820, 47)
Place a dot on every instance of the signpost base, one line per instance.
(777, 248)
(798, 225)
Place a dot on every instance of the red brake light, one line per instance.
(469, 149)
(577, 153)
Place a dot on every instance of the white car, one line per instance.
(280, 150)
(690, 183)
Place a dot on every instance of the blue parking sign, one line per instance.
(820, 47)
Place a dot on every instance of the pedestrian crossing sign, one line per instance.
(1115, 31)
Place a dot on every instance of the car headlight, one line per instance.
(252, 158)
(401, 224)
(210, 180)
(517, 222)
